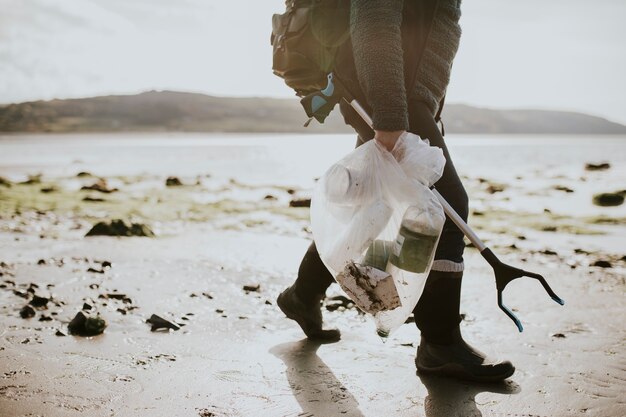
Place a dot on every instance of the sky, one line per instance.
(547, 54)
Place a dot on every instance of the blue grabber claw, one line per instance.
(505, 274)
(319, 104)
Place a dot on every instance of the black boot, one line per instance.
(442, 350)
(307, 314)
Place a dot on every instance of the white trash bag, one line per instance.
(376, 225)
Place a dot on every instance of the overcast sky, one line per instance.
(551, 54)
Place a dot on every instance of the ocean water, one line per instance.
(530, 165)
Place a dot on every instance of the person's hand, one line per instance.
(387, 139)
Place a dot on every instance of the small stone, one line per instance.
(158, 323)
(95, 271)
(60, 333)
(85, 325)
(270, 197)
(119, 227)
(45, 318)
(558, 335)
(252, 287)
(41, 262)
(87, 307)
(38, 301)
(548, 252)
(100, 186)
(597, 167)
(563, 188)
(602, 264)
(106, 264)
(300, 202)
(608, 199)
(27, 312)
(173, 182)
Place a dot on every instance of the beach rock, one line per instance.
(602, 264)
(116, 296)
(548, 252)
(173, 182)
(27, 312)
(83, 174)
(558, 335)
(563, 188)
(252, 287)
(60, 333)
(87, 307)
(119, 227)
(106, 264)
(597, 167)
(300, 202)
(91, 199)
(47, 190)
(608, 199)
(100, 186)
(85, 325)
(45, 318)
(39, 302)
(270, 197)
(95, 271)
(159, 323)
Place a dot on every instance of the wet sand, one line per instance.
(237, 355)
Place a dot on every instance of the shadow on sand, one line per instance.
(315, 387)
(452, 398)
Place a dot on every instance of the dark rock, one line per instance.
(39, 302)
(548, 252)
(85, 325)
(608, 199)
(41, 262)
(47, 190)
(581, 251)
(27, 312)
(559, 335)
(173, 182)
(45, 318)
(106, 264)
(597, 167)
(22, 294)
(268, 302)
(252, 287)
(291, 191)
(94, 199)
(160, 323)
(219, 310)
(300, 202)
(60, 333)
(207, 295)
(118, 227)
(270, 197)
(602, 264)
(100, 186)
(87, 307)
(96, 271)
(84, 174)
(116, 296)
(563, 188)
(549, 229)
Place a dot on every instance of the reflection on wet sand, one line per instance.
(315, 387)
(452, 398)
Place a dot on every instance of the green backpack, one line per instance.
(306, 39)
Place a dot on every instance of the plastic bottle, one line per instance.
(417, 239)
(343, 185)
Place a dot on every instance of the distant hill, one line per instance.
(191, 112)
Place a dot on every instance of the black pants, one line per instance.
(313, 277)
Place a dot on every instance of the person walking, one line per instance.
(398, 65)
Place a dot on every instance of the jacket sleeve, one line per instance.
(377, 46)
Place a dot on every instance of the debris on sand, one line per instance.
(84, 324)
(602, 264)
(159, 323)
(597, 167)
(100, 186)
(119, 227)
(173, 182)
(252, 287)
(27, 312)
(84, 174)
(116, 296)
(495, 188)
(50, 189)
(96, 271)
(608, 199)
(300, 202)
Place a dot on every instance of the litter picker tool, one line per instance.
(318, 105)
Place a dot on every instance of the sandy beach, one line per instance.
(228, 240)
